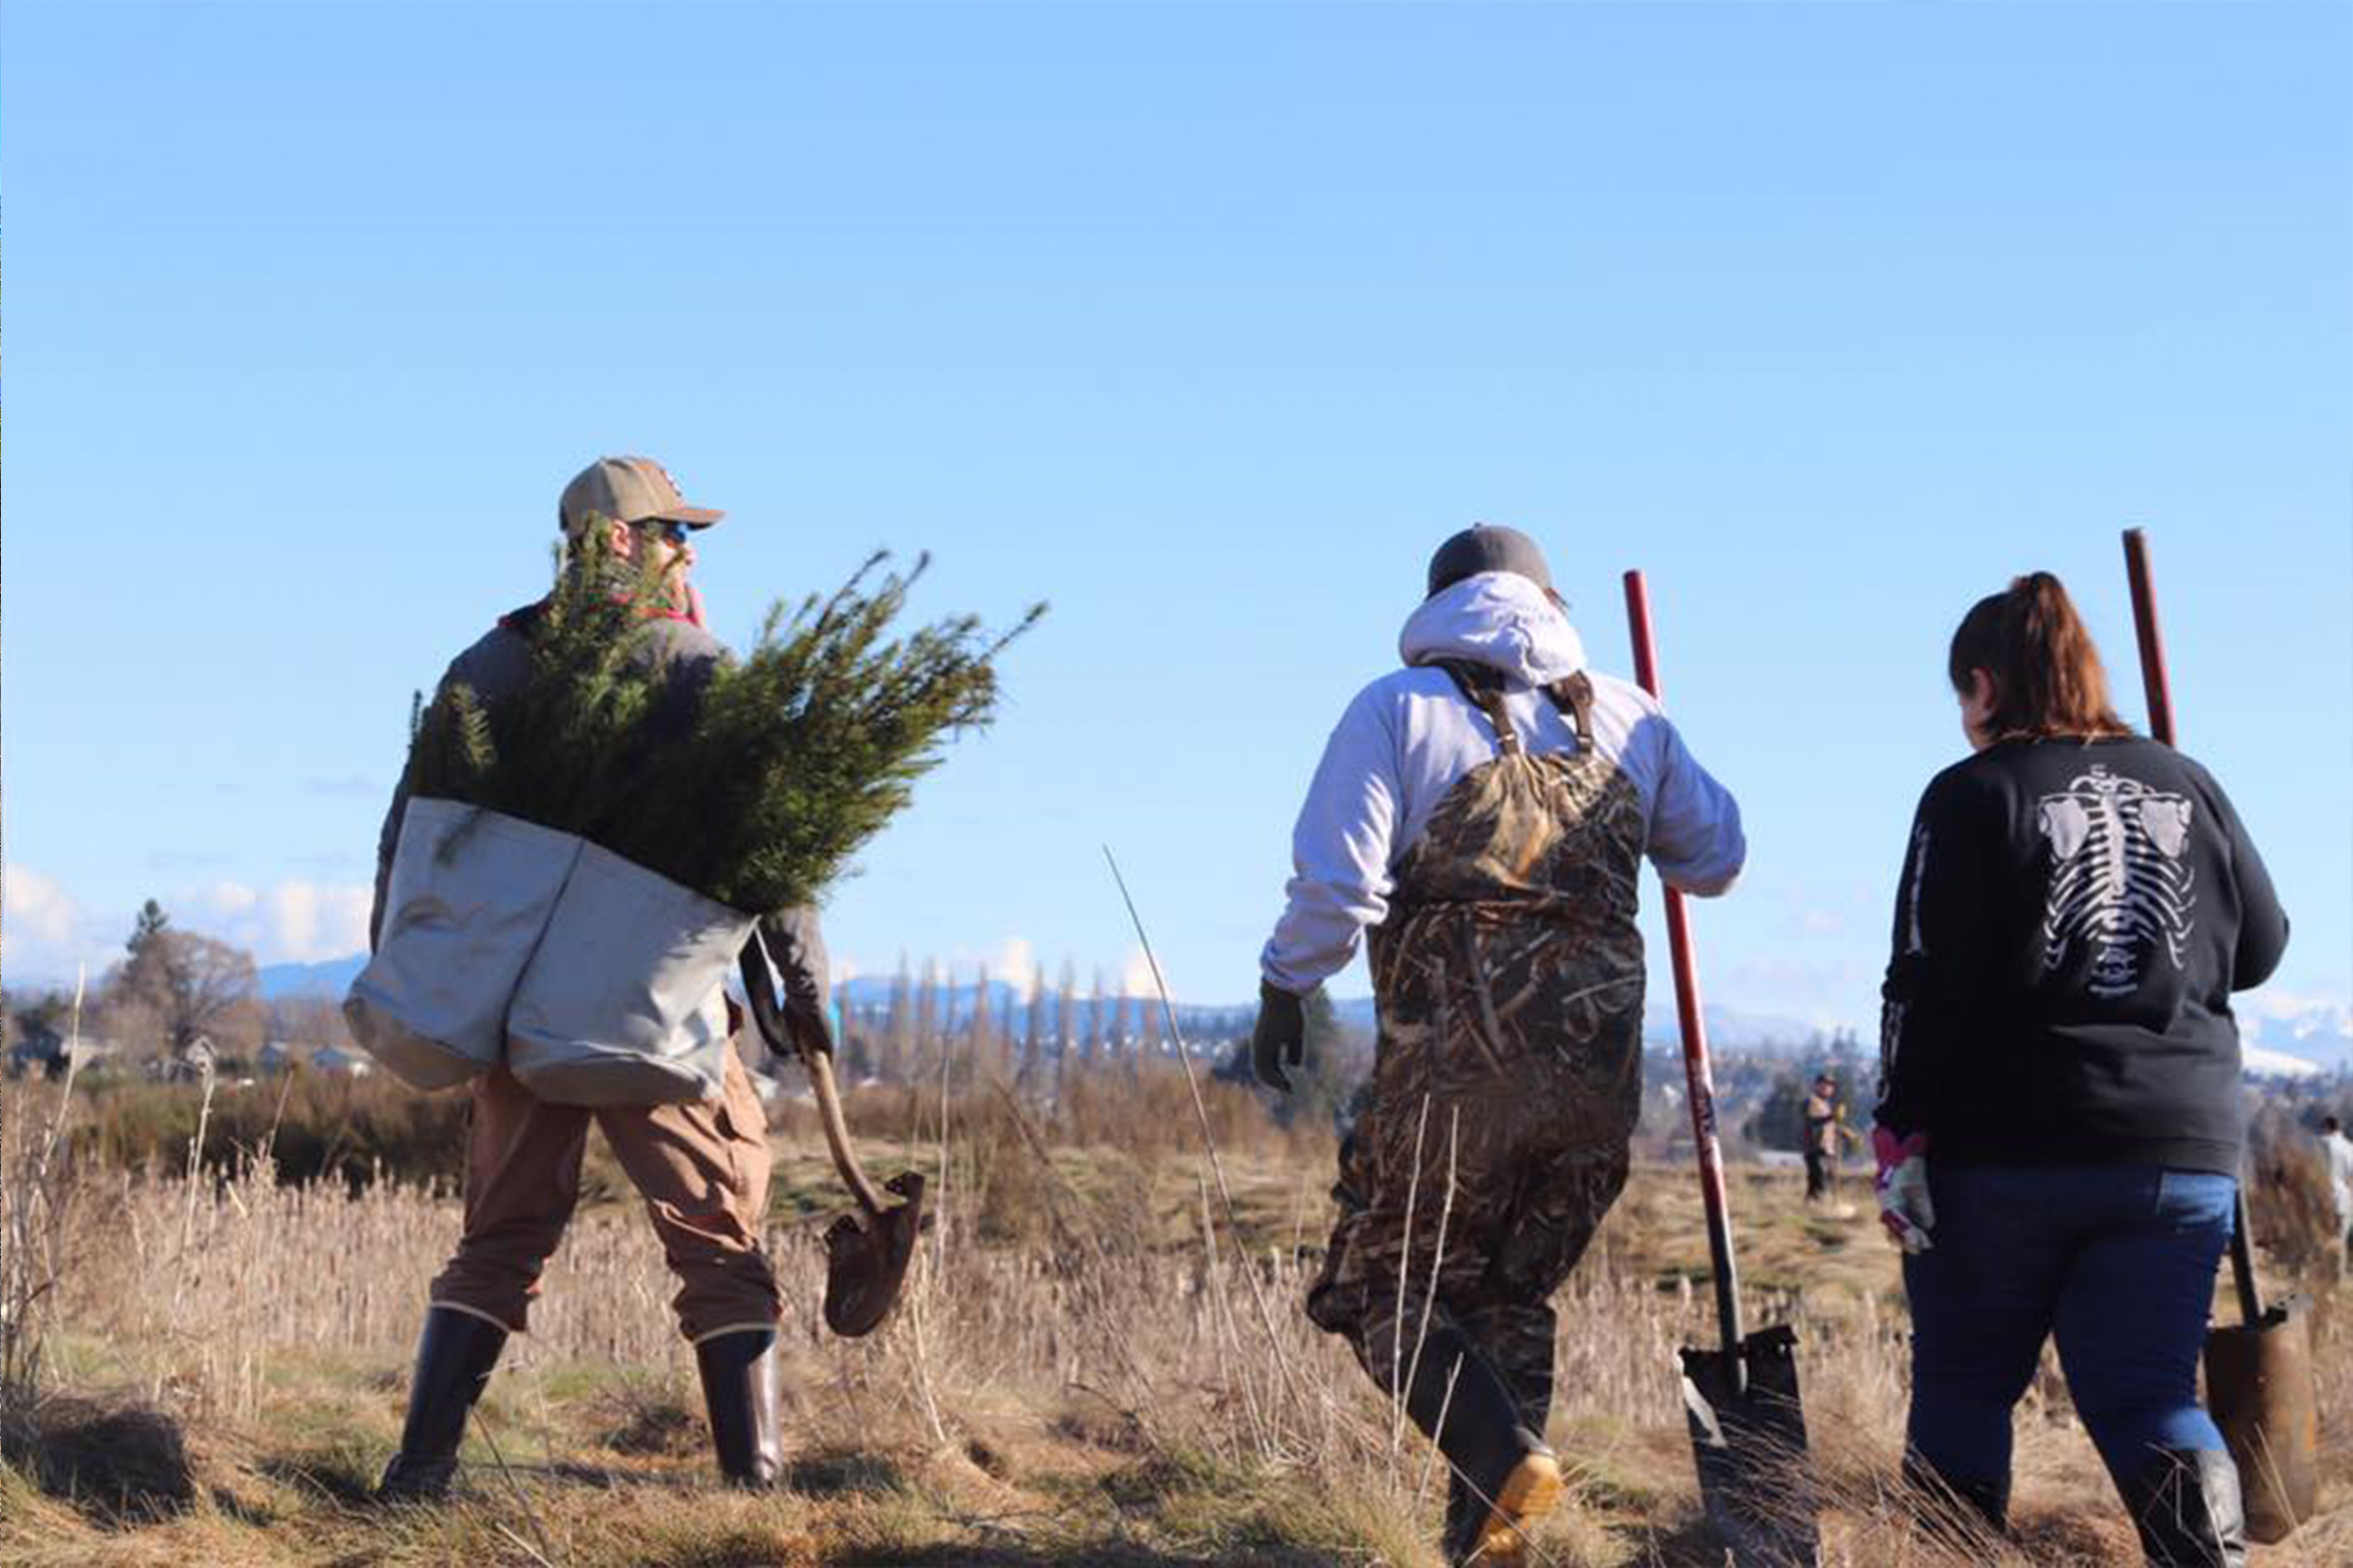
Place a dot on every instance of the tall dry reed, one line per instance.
(205, 1295)
(37, 1192)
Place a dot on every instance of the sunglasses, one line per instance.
(673, 534)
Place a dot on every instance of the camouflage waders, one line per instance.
(1509, 974)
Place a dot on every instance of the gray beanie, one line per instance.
(1484, 547)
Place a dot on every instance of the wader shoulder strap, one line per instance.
(1574, 698)
(1483, 690)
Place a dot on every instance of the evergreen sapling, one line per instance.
(793, 759)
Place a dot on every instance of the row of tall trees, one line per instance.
(1034, 1035)
(172, 987)
(1021, 1027)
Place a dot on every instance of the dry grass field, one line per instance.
(1090, 1369)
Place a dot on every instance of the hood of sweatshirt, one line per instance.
(1499, 619)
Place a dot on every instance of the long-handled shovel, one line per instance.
(866, 1253)
(2259, 1381)
(1747, 1429)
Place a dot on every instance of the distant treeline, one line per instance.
(900, 1030)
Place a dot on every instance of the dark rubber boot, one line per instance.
(1955, 1508)
(1465, 1514)
(739, 1390)
(2187, 1509)
(1502, 1476)
(454, 1358)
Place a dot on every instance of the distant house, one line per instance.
(341, 1063)
(275, 1056)
(90, 1050)
(197, 1062)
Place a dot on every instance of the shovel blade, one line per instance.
(2259, 1385)
(1750, 1447)
(866, 1259)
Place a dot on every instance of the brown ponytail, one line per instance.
(2047, 676)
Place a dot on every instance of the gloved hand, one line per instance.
(1903, 1188)
(796, 944)
(1280, 1036)
(812, 1031)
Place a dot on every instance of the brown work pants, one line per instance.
(703, 1169)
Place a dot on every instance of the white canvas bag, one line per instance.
(623, 1000)
(471, 896)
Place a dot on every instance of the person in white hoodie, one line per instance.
(1483, 814)
(2338, 1150)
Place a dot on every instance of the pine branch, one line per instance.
(792, 760)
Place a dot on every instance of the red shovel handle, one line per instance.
(1696, 1074)
(2160, 725)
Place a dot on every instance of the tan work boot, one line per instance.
(1503, 1478)
(1527, 1494)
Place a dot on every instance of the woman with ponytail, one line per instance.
(2058, 1131)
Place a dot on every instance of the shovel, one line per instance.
(1747, 1429)
(2259, 1382)
(866, 1253)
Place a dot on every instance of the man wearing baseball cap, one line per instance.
(703, 1167)
(1483, 814)
(635, 498)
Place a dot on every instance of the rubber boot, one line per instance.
(1502, 1476)
(739, 1390)
(2187, 1507)
(1953, 1509)
(454, 1358)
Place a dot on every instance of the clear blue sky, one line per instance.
(1205, 323)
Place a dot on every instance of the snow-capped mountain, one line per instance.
(2321, 1035)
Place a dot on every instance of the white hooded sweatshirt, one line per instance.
(1409, 735)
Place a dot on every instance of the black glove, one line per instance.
(796, 945)
(799, 1022)
(1280, 1036)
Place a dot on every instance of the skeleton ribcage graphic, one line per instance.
(2119, 885)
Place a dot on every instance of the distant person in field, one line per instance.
(1484, 812)
(2338, 1150)
(2059, 1128)
(702, 1167)
(1825, 1116)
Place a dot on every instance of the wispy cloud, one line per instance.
(347, 786)
(48, 932)
(295, 921)
(1014, 960)
(1135, 975)
(40, 905)
(184, 861)
(2277, 1012)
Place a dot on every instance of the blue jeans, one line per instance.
(2118, 1261)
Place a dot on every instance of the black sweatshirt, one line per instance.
(2071, 921)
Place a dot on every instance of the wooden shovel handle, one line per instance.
(759, 990)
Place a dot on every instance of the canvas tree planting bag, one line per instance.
(622, 1002)
(698, 787)
(471, 896)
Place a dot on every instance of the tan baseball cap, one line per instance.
(629, 490)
